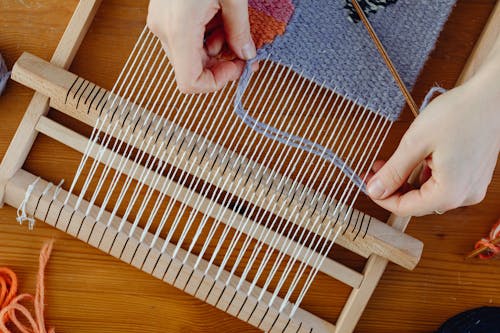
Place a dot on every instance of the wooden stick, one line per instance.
(64, 54)
(390, 65)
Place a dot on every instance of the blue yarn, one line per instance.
(4, 75)
(430, 94)
(284, 137)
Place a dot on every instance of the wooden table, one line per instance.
(88, 291)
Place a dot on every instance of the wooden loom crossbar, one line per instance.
(382, 243)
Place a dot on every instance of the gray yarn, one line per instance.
(323, 43)
(430, 95)
(4, 75)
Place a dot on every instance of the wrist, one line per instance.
(483, 90)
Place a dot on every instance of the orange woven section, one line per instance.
(264, 28)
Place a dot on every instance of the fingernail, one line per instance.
(248, 51)
(376, 188)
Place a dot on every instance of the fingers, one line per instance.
(394, 173)
(237, 27)
(430, 197)
(216, 76)
(193, 45)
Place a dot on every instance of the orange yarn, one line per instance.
(264, 28)
(493, 250)
(10, 302)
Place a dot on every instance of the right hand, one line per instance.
(194, 33)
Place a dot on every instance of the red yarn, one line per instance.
(10, 302)
(493, 250)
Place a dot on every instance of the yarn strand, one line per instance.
(10, 302)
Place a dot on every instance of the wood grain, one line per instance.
(89, 291)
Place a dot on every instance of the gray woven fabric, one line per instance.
(323, 42)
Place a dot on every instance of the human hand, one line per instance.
(457, 137)
(194, 33)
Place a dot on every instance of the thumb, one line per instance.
(237, 27)
(397, 169)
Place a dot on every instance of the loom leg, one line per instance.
(359, 297)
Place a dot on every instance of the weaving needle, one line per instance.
(387, 59)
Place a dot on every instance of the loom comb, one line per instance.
(199, 199)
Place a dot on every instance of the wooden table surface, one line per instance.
(88, 291)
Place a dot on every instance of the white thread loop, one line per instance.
(21, 211)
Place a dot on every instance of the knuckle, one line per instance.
(393, 174)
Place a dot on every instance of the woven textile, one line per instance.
(322, 41)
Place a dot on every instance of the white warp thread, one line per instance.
(21, 211)
(22, 215)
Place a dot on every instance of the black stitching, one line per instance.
(90, 94)
(81, 95)
(59, 215)
(123, 248)
(220, 296)
(199, 285)
(367, 226)
(93, 99)
(69, 90)
(112, 243)
(168, 267)
(37, 203)
(80, 227)
(92, 231)
(48, 209)
(287, 323)
(135, 252)
(264, 316)
(189, 279)
(156, 263)
(251, 313)
(274, 322)
(69, 222)
(145, 258)
(242, 305)
(103, 105)
(231, 301)
(210, 291)
(80, 87)
(177, 275)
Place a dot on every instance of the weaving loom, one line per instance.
(237, 209)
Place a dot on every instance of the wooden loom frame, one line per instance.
(383, 244)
